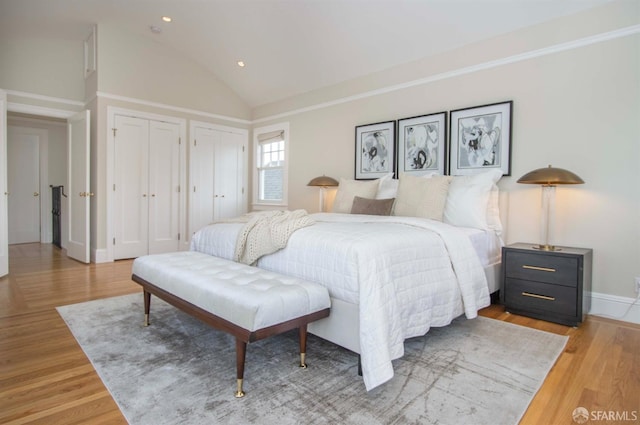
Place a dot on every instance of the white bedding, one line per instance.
(406, 274)
(487, 243)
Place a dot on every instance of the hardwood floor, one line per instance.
(46, 378)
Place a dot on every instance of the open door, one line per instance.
(4, 225)
(79, 190)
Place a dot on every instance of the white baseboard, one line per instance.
(615, 307)
(100, 256)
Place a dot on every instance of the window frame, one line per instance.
(257, 202)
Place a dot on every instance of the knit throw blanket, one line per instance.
(266, 232)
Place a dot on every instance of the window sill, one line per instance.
(267, 207)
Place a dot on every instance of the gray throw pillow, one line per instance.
(372, 206)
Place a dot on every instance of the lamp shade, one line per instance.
(323, 181)
(550, 176)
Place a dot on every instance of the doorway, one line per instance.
(37, 159)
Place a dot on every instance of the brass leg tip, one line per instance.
(239, 392)
(303, 365)
(146, 320)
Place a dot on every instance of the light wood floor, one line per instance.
(45, 378)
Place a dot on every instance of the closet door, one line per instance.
(164, 187)
(228, 181)
(131, 188)
(202, 171)
(216, 180)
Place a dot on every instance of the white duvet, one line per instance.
(406, 274)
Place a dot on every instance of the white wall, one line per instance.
(576, 108)
(140, 67)
(47, 67)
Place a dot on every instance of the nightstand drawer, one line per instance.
(539, 267)
(539, 296)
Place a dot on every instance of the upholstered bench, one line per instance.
(245, 301)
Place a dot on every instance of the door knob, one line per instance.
(83, 194)
(35, 194)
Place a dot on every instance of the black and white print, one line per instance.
(375, 149)
(481, 139)
(422, 144)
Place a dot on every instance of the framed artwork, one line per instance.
(481, 139)
(422, 144)
(375, 150)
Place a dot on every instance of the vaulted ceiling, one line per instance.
(289, 46)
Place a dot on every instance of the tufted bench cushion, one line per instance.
(248, 302)
(247, 296)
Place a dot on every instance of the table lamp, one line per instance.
(323, 182)
(549, 178)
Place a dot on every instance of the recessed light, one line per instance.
(240, 64)
(167, 18)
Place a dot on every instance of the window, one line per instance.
(270, 170)
(271, 165)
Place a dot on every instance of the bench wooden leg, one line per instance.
(241, 351)
(303, 345)
(147, 307)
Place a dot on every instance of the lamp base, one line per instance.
(547, 248)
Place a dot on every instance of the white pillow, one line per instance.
(493, 211)
(349, 189)
(387, 188)
(422, 197)
(468, 199)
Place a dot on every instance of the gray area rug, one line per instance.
(180, 371)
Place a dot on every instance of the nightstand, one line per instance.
(547, 285)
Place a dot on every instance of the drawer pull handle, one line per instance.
(542, 297)
(541, 269)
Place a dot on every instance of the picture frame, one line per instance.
(422, 144)
(480, 139)
(375, 150)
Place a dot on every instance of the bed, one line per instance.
(390, 277)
